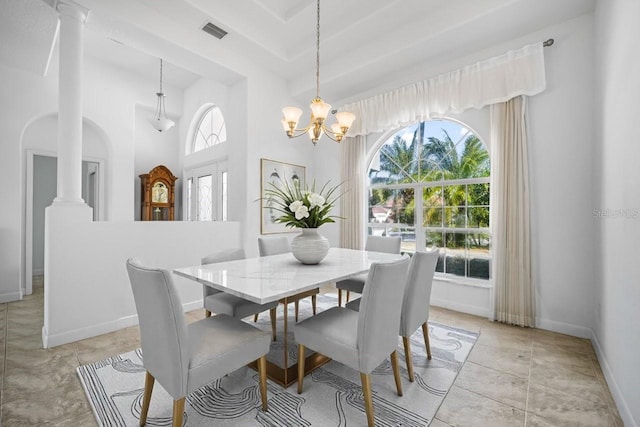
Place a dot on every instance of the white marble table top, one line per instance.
(271, 278)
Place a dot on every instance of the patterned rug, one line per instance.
(332, 394)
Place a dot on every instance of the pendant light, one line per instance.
(160, 121)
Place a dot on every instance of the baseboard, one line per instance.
(54, 340)
(10, 297)
(564, 328)
(463, 308)
(621, 403)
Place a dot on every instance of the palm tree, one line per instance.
(397, 159)
(435, 159)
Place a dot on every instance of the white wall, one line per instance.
(560, 157)
(87, 290)
(23, 96)
(110, 98)
(266, 95)
(617, 308)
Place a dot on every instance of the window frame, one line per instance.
(418, 229)
(204, 111)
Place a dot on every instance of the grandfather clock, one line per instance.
(158, 195)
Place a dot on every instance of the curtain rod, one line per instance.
(548, 43)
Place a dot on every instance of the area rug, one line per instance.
(332, 394)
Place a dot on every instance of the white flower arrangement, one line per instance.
(303, 208)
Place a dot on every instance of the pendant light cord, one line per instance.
(318, 50)
(160, 75)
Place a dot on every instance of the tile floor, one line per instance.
(513, 377)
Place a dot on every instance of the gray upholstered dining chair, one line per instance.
(218, 302)
(185, 357)
(280, 245)
(360, 340)
(415, 303)
(386, 244)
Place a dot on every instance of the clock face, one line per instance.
(159, 193)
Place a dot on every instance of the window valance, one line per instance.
(497, 79)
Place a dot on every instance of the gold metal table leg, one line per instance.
(287, 376)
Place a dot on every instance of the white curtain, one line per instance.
(514, 301)
(498, 79)
(352, 203)
(501, 82)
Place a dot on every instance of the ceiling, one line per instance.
(363, 42)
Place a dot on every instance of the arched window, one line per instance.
(429, 183)
(210, 130)
(206, 178)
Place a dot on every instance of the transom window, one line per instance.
(211, 129)
(429, 184)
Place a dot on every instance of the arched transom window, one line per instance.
(429, 183)
(206, 181)
(210, 131)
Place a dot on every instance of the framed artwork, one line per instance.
(272, 171)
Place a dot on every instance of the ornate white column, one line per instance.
(72, 19)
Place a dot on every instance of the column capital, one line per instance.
(72, 9)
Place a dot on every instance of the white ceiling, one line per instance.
(27, 33)
(363, 42)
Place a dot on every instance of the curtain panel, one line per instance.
(513, 289)
(498, 79)
(352, 204)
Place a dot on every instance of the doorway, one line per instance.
(205, 192)
(41, 190)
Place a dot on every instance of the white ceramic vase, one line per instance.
(309, 247)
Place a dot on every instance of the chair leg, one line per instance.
(408, 357)
(296, 309)
(313, 304)
(262, 367)
(207, 313)
(347, 300)
(339, 297)
(368, 401)
(148, 388)
(425, 332)
(300, 367)
(272, 314)
(178, 410)
(255, 318)
(396, 372)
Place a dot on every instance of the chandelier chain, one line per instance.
(318, 50)
(318, 125)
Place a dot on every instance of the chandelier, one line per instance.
(160, 121)
(319, 109)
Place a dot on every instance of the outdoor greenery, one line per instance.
(438, 163)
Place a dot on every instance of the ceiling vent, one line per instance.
(214, 30)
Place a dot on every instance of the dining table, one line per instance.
(283, 278)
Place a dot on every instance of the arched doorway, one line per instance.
(39, 145)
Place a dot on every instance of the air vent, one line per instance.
(214, 30)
